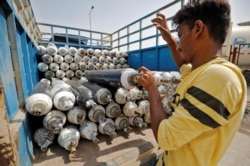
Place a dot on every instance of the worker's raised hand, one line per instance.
(146, 79)
(161, 24)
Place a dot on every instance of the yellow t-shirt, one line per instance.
(208, 107)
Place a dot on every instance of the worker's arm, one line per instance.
(161, 24)
(157, 112)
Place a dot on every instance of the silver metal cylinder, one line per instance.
(46, 58)
(76, 115)
(113, 110)
(72, 51)
(122, 123)
(68, 138)
(51, 49)
(89, 130)
(97, 114)
(107, 127)
(114, 77)
(41, 50)
(43, 67)
(54, 121)
(44, 138)
(130, 109)
(63, 51)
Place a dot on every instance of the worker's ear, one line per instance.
(198, 27)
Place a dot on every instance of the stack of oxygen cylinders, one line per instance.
(91, 100)
(71, 62)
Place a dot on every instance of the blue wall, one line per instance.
(17, 67)
(6, 69)
(154, 58)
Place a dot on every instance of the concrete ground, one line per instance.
(136, 148)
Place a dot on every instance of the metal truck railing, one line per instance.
(75, 37)
(135, 36)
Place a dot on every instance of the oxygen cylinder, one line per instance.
(101, 59)
(108, 59)
(122, 61)
(88, 130)
(158, 78)
(135, 93)
(68, 59)
(105, 52)
(105, 66)
(73, 66)
(42, 67)
(122, 96)
(98, 66)
(39, 102)
(90, 52)
(63, 51)
(166, 105)
(97, 114)
(69, 138)
(136, 121)
(64, 66)
(102, 95)
(51, 49)
(118, 54)
(54, 121)
(97, 53)
(91, 66)
(125, 66)
(113, 110)
(77, 58)
(83, 66)
(72, 51)
(41, 50)
(49, 74)
(58, 58)
(166, 78)
(86, 59)
(84, 96)
(107, 127)
(113, 53)
(143, 107)
(147, 118)
(123, 54)
(122, 123)
(111, 66)
(79, 73)
(44, 138)
(53, 66)
(81, 52)
(114, 77)
(115, 60)
(93, 60)
(177, 76)
(118, 66)
(63, 97)
(163, 90)
(130, 109)
(76, 115)
(46, 58)
(69, 74)
(60, 74)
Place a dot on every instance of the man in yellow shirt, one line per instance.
(209, 102)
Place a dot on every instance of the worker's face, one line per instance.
(186, 43)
